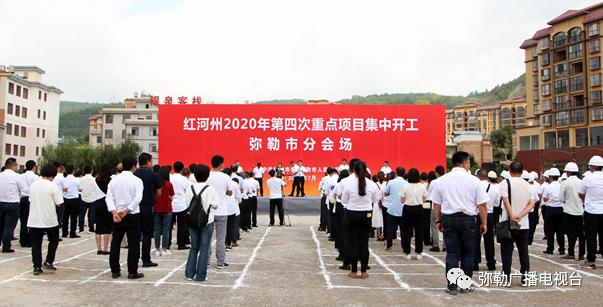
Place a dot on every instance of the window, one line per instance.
(45, 96)
(581, 137)
(9, 108)
(25, 93)
(594, 63)
(546, 105)
(535, 80)
(23, 132)
(559, 39)
(153, 147)
(43, 133)
(15, 149)
(545, 59)
(9, 129)
(595, 80)
(575, 51)
(595, 97)
(544, 43)
(562, 138)
(109, 119)
(17, 111)
(546, 90)
(7, 149)
(576, 68)
(38, 132)
(574, 35)
(597, 114)
(44, 117)
(153, 131)
(561, 102)
(123, 134)
(108, 134)
(17, 130)
(593, 29)
(534, 66)
(22, 151)
(39, 113)
(134, 131)
(535, 142)
(550, 140)
(578, 101)
(534, 54)
(578, 116)
(24, 113)
(576, 84)
(39, 95)
(37, 151)
(594, 46)
(596, 136)
(547, 120)
(560, 70)
(536, 95)
(99, 139)
(11, 90)
(524, 143)
(545, 74)
(19, 90)
(149, 117)
(562, 118)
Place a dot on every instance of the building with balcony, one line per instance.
(564, 115)
(29, 113)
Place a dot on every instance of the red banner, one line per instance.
(320, 135)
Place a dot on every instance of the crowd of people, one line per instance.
(134, 202)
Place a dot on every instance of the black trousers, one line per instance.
(182, 235)
(295, 186)
(261, 182)
(520, 238)
(37, 236)
(339, 227)
(301, 184)
(254, 211)
(575, 231)
(593, 224)
(545, 226)
(87, 209)
(60, 214)
(129, 225)
(426, 226)
(147, 220)
(357, 226)
(332, 222)
(277, 204)
(412, 221)
(394, 222)
(324, 213)
(533, 218)
(245, 208)
(24, 239)
(554, 220)
(488, 242)
(497, 213)
(72, 211)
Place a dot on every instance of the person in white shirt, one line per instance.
(198, 256)
(439, 171)
(276, 187)
(359, 194)
(89, 197)
(328, 188)
(458, 197)
(534, 215)
(385, 168)
(253, 188)
(124, 195)
(543, 203)
(258, 174)
(554, 213)
(10, 195)
(591, 192)
(191, 176)
(573, 210)
(179, 205)
(44, 197)
(232, 224)
(493, 191)
(295, 174)
(413, 195)
(220, 182)
(238, 168)
(324, 210)
(247, 195)
(72, 203)
(516, 208)
(59, 181)
(343, 166)
(28, 178)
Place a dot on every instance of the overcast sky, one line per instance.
(232, 51)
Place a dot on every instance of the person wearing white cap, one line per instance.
(543, 203)
(591, 191)
(554, 213)
(533, 217)
(573, 209)
(587, 173)
(493, 192)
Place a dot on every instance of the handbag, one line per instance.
(503, 229)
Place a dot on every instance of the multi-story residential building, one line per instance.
(137, 121)
(563, 90)
(29, 112)
(473, 116)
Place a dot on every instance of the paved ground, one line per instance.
(275, 267)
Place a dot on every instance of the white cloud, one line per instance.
(231, 51)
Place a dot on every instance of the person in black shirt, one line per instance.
(103, 218)
(152, 187)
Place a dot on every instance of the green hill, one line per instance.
(73, 118)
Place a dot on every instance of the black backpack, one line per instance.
(197, 217)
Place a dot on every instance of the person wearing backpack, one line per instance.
(202, 199)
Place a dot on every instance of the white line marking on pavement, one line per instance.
(567, 267)
(442, 289)
(198, 284)
(323, 268)
(168, 275)
(387, 268)
(441, 263)
(239, 282)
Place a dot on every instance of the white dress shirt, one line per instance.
(329, 187)
(295, 170)
(386, 169)
(413, 194)
(220, 182)
(232, 205)
(592, 187)
(568, 195)
(551, 192)
(209, 197)
(73, 186)
(90, 189)
(354, 201)
(44, 197)
(321, 185)
(258, 172)
(125, 191)
(11, 186)
(343, 167)
(494, 193)
(459, 192)
(181, 184)
(521, 194)
(28, 178)
(275, 186)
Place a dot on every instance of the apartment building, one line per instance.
(29, 113)
(563, 89)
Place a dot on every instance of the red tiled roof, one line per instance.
(594, 15)
(97, 116)
(542, 33)
(567, 15)
(492, 107)
(528, 43)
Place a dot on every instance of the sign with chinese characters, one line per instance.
(320, 135)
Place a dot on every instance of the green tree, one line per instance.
(80, 154)
(502, 142)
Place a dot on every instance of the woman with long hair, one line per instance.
(377, 220)
(413, 196)
(103, 218)
(359, 194)
(424, 180)
(163, 213)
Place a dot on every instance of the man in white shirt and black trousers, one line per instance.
(591, 191)
(11, 186)
(457, 198)
(123, 201)
(72, 203)
(258, 174)
(28, 178)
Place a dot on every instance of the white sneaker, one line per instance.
(407, 257)
(158, 252)
(166, 252)
(419, 257)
